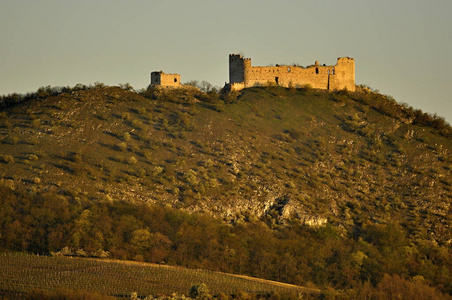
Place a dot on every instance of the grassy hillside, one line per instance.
(274, 153)
(364, 179)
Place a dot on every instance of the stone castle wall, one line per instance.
(337, 77)
(163, 79)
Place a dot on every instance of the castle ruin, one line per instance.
(162, 79)
(340, 76)
(243, 75)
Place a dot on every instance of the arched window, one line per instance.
(175, 79)
(317, 70)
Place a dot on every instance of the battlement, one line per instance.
(238, 56)
(347, 59)
(337, 77)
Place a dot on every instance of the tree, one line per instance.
(126, 86)
(205, 86)
(141, 239)
(194, 83)
(199, 291)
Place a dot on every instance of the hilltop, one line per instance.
(274, 156)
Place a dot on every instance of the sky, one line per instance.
(401, 48)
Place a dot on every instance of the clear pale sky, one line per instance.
(401, 47)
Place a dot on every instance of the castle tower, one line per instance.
(344, 75)
(236, 68)
(163, 79)
(246, 71)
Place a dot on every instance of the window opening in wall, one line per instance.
(333, 71)
(288, 69)
(328, 72)
(277, 80)
(175, 79)
(317, 70)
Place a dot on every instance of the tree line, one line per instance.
(325, 256)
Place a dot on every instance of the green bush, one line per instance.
(121, 146)
(199, 291)
(132, 160)
(8, 159)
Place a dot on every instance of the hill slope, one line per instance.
(312, 156)
(295, 185)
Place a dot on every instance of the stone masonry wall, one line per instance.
(163, 79)
(337, 77)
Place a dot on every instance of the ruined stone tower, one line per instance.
(337, 77)
(163, 79)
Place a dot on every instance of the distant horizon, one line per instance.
(401, 50)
